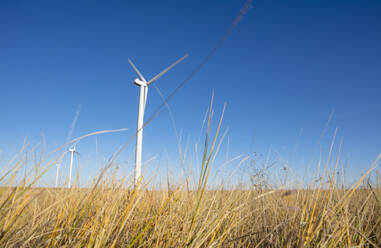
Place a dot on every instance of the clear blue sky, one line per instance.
(282, 71)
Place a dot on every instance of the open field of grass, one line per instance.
(114, 213)
(109, 215)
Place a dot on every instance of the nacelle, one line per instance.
(140, 82)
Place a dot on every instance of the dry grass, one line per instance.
(113, 214)
(114, 217)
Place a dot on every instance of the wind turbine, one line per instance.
(58, 165)
(58, 172)
(142, 105)
(72, 151)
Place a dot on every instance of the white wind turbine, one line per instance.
(57, 173)
(58, 165)
(72, 151)
(142, 104)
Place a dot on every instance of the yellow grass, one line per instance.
(116, 217)
(116, 214)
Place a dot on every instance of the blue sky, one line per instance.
(283, 70)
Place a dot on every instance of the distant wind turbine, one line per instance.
(72, 151)
(57, 173)
(142, 104)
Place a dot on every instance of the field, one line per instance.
(109, 216)
(113, 213)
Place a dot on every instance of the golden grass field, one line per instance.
(109, 216)
(114, 213)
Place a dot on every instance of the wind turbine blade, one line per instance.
(166, 70)
(136, 70)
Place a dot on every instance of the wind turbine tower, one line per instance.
(143, 84)
(58, 172)
(72, 151)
